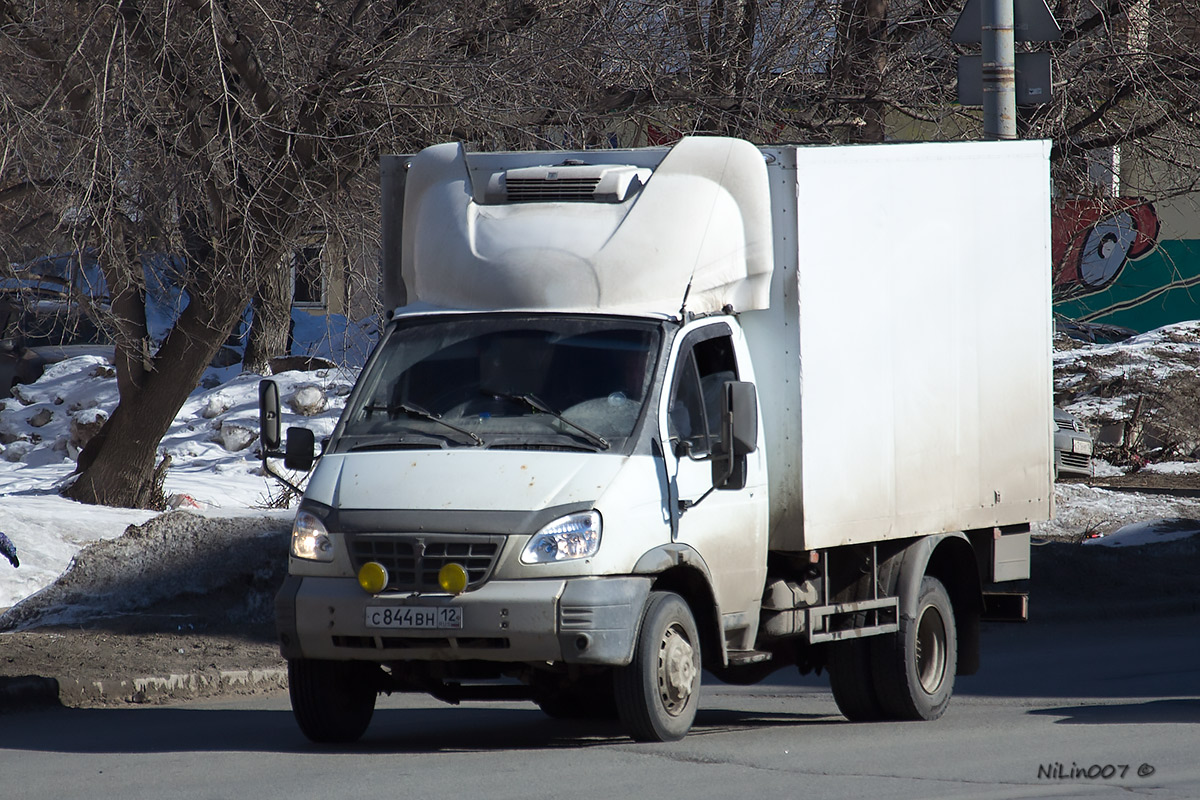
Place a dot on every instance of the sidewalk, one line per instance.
(85, 668)
(30, 691)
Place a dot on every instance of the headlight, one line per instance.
(567, 538)
(310, 540)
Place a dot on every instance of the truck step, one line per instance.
(738, 658)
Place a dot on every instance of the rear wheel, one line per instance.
(658, 693)
(333, 701)
(914, 667)
(851, 676)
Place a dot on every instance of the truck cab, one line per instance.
(564, 462)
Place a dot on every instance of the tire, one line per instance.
(914, 667)
(851, 676)
(333, 701)
(658, 693)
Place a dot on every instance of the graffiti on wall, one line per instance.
(1092, 241)
(1113, 265)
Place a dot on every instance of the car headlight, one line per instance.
(310, 540)
(570, 537)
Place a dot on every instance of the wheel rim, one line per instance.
(931, 650)
(676, 670)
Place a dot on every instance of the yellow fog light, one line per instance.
(453, 578)
(373, 577)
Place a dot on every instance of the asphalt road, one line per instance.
(1059, 710)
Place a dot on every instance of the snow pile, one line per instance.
(1137, 396)
(212, 443)
(48, 531)
(203, 571)
(216, 467)
(1085, 513)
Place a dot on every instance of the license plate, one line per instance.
(1082, 447)
(414, 617)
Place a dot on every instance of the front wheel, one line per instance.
(333, 701)
(658, 693)
(915, 667)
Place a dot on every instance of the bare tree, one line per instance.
(214, 136)
(212, 131)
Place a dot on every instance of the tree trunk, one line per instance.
(127, 299)
(118, 466)
(269, 329)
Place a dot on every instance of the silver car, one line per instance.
(1073, 446)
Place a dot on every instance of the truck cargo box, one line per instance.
(904, 362)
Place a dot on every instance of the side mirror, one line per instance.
(301, 447)
(739, 434)
(299, 452)
(269, 422)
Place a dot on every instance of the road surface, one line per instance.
(1096, 710)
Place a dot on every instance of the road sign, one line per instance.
(1032, 79)
(1032, 22)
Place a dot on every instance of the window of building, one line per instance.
(308, 277)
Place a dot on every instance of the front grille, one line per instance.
(413, 560)
(547, 191)
(1076, 460)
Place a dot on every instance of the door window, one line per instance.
(694, 413)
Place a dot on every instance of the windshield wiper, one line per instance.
(421, 413)
(537, 405)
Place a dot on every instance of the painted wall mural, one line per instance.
(1092, 241)
(1114, 265)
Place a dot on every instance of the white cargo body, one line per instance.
(903, 361)
(639, 414)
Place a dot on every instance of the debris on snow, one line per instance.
(308, 401)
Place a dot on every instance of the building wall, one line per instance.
(1128, 261)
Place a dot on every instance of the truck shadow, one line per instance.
(422, 730)
(1154, 712)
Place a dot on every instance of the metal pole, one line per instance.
(999, 70)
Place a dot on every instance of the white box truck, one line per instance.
(643, 413)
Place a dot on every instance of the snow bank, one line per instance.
(205, 570)
(1083, 511)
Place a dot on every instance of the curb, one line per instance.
(28, 692)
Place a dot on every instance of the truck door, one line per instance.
(728, 527)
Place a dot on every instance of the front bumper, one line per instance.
(578, 621)
(1073, 454)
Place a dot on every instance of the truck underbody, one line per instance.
(892, 623)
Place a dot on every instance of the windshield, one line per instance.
(504, 381)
